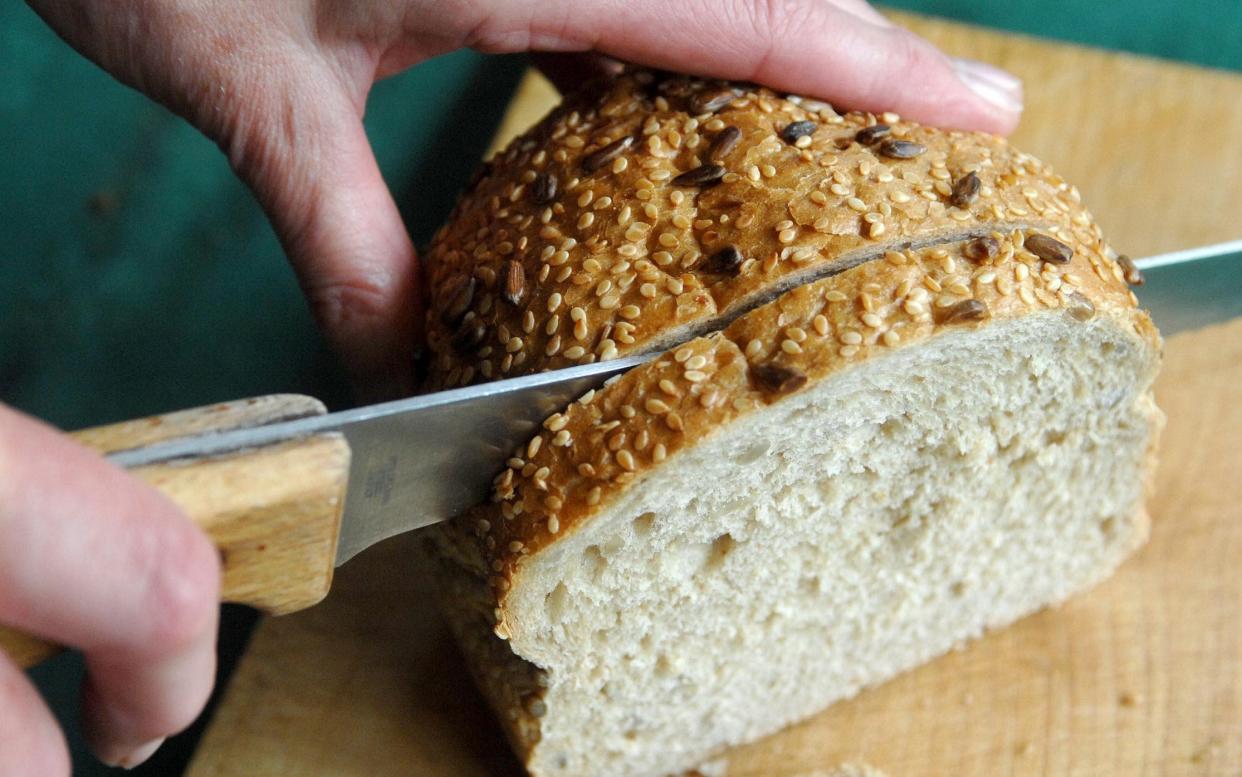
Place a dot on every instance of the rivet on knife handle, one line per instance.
(274, 511)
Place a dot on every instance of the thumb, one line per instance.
(313, 170)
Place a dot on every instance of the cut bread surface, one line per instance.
(836, 538)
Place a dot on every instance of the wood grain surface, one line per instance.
(1142, 676)
(273, 512)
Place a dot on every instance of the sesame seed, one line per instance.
(850, 337)
(626, 460)
(787, 236)
(593, 496)
(848, 350)
(790, 346)
(696, 362)
(667, 387)
(891, 338)
(586, 220)
(753, 348)
(575, 352)
(673, 422)
(554, 526)
(820, 322)
(835, 296)
(533, 446)
(659, 453)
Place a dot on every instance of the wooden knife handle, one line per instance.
(274, 512)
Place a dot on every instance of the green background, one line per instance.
(138, 276)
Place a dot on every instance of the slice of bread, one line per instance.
(887, 446)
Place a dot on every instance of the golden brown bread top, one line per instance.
(543, 266)
(645, 205)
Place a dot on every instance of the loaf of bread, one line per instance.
(899, 394)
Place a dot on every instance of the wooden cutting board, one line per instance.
(1142, 676)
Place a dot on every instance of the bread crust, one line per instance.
(950, 253)
(556, 258)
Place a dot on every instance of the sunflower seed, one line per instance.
(597, 159)
(712, 100)
(775, 379)
(901, 149)
(468, 335)
(726, 140)
(966, 310)
(874, 134)
(1080, 307)
(981, 249)
(480, 172)
(726, 261)
(703, 175)
(460, 298)
(797, 129)
(515, 282)
(965, 191)
(1049, 249)
(543, 190)
(1130, 271)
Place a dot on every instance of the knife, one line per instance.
(267, 477)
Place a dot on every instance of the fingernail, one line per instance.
(139, 755)
(1002, 89)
